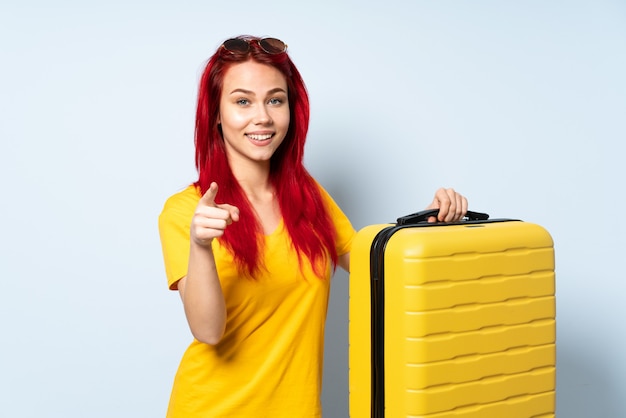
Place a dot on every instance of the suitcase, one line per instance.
(452, 320)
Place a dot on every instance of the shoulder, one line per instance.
(188, 196)
(323, 192)
(326, 197)
(181, 204)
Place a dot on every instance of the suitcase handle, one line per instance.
(423, 216)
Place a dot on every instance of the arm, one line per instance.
(344, 261)
(200, 290)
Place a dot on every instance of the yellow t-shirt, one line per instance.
(269, 362)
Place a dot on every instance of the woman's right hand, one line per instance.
(201, 289)
(210, 220)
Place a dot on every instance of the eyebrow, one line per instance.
(272, 91)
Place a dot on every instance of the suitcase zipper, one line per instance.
(377, 269)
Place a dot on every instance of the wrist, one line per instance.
(203, 246)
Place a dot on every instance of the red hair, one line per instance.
(305, 215)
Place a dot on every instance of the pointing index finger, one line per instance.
(208, 198)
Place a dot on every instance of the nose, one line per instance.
(263, 116)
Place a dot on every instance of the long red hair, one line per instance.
(304, 212)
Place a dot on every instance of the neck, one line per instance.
(254, 179)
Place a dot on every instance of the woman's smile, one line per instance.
(259, 137)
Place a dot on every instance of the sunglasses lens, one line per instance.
(272, 45)
(236, 45)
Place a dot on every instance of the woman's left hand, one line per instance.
(452, 205)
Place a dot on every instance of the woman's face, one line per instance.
(254, 112)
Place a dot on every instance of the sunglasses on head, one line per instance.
(269, 45)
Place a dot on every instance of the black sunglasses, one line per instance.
(269, 45)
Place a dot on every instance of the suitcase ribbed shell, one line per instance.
(469, 322)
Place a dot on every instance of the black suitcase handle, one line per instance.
(423, 216)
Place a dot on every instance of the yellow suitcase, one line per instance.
(452, 320)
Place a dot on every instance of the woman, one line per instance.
(252, 244)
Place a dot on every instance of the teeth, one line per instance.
(260, 137)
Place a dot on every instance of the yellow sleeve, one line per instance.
(343, 226)
(174, 225)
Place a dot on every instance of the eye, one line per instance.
(275, 101)
(243, 102)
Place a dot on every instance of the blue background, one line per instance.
(519, 105)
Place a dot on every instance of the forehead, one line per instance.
(253, 76)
